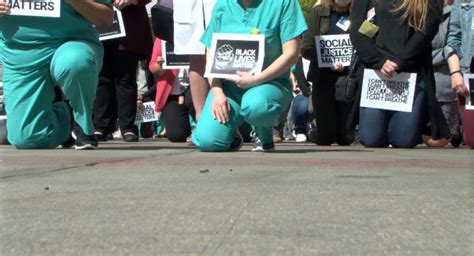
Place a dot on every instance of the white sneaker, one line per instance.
(301, 137)
(258, 146)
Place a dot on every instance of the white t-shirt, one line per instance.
(189, 25)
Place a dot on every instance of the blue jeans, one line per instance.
(300, 113)
(381, 128)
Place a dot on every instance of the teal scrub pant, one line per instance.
(259, 106)
(34, 121)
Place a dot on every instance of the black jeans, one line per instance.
(176, 117)
(117, 90)
(331, 116)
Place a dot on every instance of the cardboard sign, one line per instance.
(147, 113)
(173, 61)
(117, 30)
(396, 93)
(469, 82)
(37, 8)
(235, 52)
(333, 49)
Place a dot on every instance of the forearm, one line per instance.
(454, 63)
(98, 14)
(283, 63)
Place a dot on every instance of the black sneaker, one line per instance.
(100, 136)
(237, 141)
(83, 141)
(130, 137)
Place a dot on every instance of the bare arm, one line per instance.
(457, 80)
(98, 14)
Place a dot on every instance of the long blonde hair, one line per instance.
(416, 12)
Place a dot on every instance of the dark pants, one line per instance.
(300, 113)
(176, 117)
(331, 116)
(381, 128)
(117, 90)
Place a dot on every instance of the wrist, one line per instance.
(456, 72)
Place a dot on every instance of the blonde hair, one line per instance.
(415, 12)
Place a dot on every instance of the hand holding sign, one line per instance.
(388, 68)
(244, 80)
(4, 8)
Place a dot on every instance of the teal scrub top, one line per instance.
(279, 20)
(40, 36)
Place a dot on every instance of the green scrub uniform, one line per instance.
(39, 53)
(260, 106)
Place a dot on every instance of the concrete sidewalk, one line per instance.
(159, 198)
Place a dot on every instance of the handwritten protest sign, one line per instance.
(396, 93)
(117, 30)
(469, 82)
(173, 61)
(235, 52)
(332, 49)
(38, 8)
(147, 113)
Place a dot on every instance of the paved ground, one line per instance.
(158, 198)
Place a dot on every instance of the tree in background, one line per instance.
(306, 5)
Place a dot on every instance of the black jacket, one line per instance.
(399, 42)
(318, 24)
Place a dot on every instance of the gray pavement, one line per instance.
(159, 198)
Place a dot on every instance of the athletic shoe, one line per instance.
(237, 141)
(258, 146)
(276, 135)
(100, 136)
(83, 141)
(301, 137)
(130, 137)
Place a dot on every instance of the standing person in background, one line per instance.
(332, 117)
(256, 99)
(402, 44)
(460, 60)
(43, 55)
(117, 90)
(191, 17)
(444, 93)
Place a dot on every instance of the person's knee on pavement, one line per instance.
(373, 141)
(210, 144)
(405, 141)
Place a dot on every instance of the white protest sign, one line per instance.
(117, 30)
(235, 52)
(396, 93)
(147, 113)
(469, 82)
(332, 49)
(38, 8)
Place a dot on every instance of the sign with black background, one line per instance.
(117, 30)
(172, 60)
(235, 52)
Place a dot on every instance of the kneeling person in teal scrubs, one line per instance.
(256, 99)
(41, 53)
